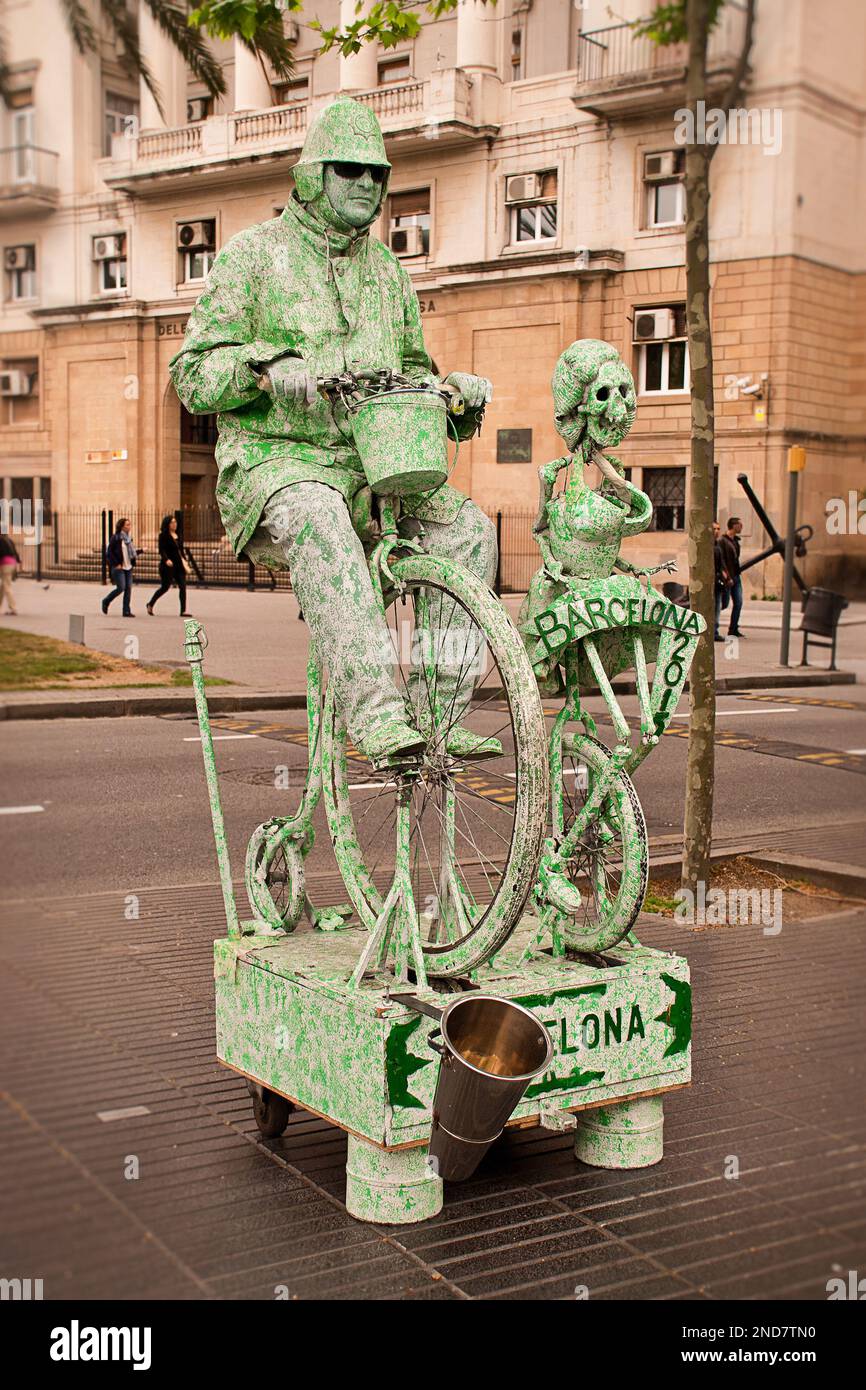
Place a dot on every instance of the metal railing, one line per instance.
(617, 52)
(25, 166)
(74, 541)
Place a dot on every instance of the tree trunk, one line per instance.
(697, 830)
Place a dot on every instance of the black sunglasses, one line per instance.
(355, 171)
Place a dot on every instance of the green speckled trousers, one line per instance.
(311, 524)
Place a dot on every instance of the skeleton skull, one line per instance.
(594, 395)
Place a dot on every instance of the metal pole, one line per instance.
(497, 586)
(796, 461)
(102, 560)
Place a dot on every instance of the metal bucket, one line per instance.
(491, 1050)
(401, 438)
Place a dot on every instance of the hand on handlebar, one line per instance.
(289, 379)
(476, 391)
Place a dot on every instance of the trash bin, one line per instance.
(821, 612)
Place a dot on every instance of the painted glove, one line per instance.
(289, 379)
(475, 390)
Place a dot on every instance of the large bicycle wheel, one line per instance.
(610, 865)
(476, 826)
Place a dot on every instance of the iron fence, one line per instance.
(74, 541)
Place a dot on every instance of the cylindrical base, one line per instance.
(628, 1135)
(395, 1187)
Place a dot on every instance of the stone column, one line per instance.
(478, 30)
(252, 88)
(358, 73)
(169, 70)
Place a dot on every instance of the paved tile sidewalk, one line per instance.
(98, 1014)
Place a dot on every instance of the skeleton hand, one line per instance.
(475, 390)
(290, 380)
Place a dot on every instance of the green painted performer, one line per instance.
(305, 295)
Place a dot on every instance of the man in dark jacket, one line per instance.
(730, 551)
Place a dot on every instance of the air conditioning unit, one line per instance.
(652, 324)
(407, 241)
(19, 258)
(15, 383)
(292, 31)
(195, 236)
(108, 248)
(196, 109)
(520, 188)
(660, 166)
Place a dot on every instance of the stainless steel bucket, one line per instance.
(491, 1049)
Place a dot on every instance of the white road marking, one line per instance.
(130, 1113)
(217, 738)
(776, 709)
(19, 810)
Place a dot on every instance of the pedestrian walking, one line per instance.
(121, 562)
(723, 580)
(9, 562)
(173, 565)
(730, 550)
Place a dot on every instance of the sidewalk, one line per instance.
(257, 641)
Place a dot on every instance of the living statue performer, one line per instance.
(580, 529)
(308, 294)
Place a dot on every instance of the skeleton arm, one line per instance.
(669, 567)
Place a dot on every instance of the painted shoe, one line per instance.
(392, 743)
(462, 743)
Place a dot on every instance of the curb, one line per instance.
(847, 879)
(124, 706)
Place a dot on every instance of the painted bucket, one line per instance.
(628, 1135)
(402, 441)
(491, 1050)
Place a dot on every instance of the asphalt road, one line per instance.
(123, 803)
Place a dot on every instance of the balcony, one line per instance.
(622, 74)
(445, 107)
(28, 181)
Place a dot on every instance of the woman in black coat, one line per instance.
(172, 565)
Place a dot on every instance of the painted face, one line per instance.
(354, 191)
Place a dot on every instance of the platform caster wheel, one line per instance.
(270, 1111)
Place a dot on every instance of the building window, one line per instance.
(297, 89)
(196, 242)
(663, 352)
(397, 69)
(121, 118)
(666, 489)
(407, 211)
(20, 263)
(19, 391)
(664, 188)
(198, 109)
(45, 496)
(534, 220)
(23, 121)
(197, 429)
(109, 253)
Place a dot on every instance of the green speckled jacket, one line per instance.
(293, 285)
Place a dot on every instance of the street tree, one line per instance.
(692, 22)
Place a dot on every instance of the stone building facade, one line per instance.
(536, 197)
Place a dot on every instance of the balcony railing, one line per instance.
(616, 54)
(399, 99)
(183, 142)
(271, 125)
(28, 179)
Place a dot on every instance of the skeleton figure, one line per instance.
(305, 295)
(580, 530)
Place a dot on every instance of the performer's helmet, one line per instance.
(344, 132)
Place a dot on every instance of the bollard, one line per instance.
(76, 629)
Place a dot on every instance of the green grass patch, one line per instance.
(27, 660)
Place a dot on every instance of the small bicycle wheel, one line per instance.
(476, 826)
(610, 865)
(274, 876)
